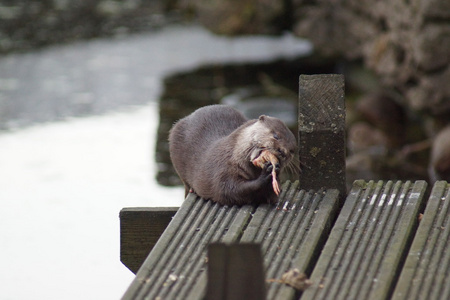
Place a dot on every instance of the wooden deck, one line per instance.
(176, 267)
(367, 254)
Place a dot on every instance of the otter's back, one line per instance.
(192, 136)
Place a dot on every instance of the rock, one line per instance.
(364, 137)
(407, 43)
(431, 47)
(361, 166)
(241, 17)
(432, 94)
(440, 156)
(385, 114)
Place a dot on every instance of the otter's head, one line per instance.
(271, 134)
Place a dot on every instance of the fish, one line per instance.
(267, 156)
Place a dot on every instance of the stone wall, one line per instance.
(407, 43)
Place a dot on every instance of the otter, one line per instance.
(215, 151)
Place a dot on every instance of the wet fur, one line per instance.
(212, 151)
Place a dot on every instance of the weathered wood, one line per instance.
(290, 234)
(321, 132)
(425, 274)
(368, 243)
(140, 229)
(175, 268)
(235, 272)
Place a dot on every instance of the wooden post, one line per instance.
(235, 272)
(140, 229)
(321, 132)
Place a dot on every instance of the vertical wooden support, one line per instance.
(235, 272)
(321, 132)
(140, 229)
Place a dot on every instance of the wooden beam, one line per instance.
(235, 272)
(321, 132)
(140, 229)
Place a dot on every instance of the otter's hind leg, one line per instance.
(187, 190)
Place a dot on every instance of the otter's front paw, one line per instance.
(267, 171)
(268, 168)
(272, 173)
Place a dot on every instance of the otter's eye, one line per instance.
(275, 136)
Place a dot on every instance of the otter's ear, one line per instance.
(262, 118)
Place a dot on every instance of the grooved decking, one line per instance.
(290, 233)
(365, 249)
(178, 259)
(377, 248)
(427, 268)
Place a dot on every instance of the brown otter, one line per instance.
(215, 149)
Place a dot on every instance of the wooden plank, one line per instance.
(321, 132)
(140, 229)
(233, 234)
(292, 234)
(425, 274)
(154, 257)
(178, 260)
(368, 242)
(229, 230)
(235, 272)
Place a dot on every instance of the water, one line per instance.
(61, 187)
(62, 184)
(101, 75)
